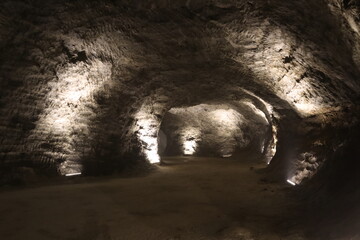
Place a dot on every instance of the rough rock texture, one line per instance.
(217, 130)
(89, 82)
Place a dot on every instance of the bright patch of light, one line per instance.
(222, 124)
(295, 95)
(61, 121)
(74, 96)
(152, 156)
(352, 23)
(275, 140)
(147, 130)
(226, 155)
(288, 82)
(150, 147)
(307, 108)
(222, 115)
(262, 146)
(273, 145)
(228, 123)
(73, 174)
(70, 108)
(228, 117)
(268, 106)
(291, 182)
(257, 111)
(190, 137)
(189, 147)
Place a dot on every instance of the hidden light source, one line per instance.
(291, 182)
(72, 174)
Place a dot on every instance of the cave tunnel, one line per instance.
(215, 130)
(196, 119)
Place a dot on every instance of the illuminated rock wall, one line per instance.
(88, 81)
(218, 130)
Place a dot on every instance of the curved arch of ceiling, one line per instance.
(150, 64)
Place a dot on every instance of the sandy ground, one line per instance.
(188, 198)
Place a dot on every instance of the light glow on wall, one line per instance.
(262, 148)
(148, 138)
(190, 137)
(268, 106)
(189, 147)
(152, 156)
(254, 109)
(286, 78)
(307, 165)
(228, 124)
(70, 108)
(75, 95)
(217, 126)
(296, 94)
(228, 118)
(273, 145)
(274, 142)
(150, 145)
(147, 126)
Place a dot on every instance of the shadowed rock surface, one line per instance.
(86, 87)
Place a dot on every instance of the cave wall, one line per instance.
(216, 130)
(89, 81)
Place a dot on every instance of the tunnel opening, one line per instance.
(217, 130)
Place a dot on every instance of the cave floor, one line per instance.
(187, 198)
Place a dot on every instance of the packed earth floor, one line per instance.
(184, 198)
